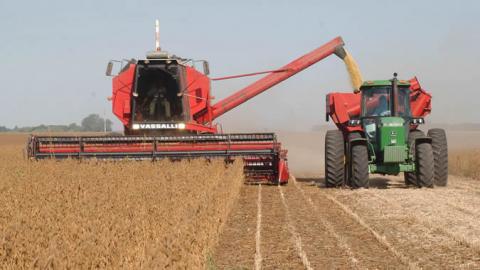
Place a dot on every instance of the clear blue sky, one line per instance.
(53, 53)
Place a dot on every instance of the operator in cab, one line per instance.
(159, 106)
(382, 108)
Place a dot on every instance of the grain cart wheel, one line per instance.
(424, 164)
(440, 156)
(334, 158)
(410, 177)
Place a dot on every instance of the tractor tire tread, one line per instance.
(410, 178)
(425, 165)
(334, 158)
(440, 156)
(359, 160)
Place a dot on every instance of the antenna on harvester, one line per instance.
(157, 36)
(157, 53)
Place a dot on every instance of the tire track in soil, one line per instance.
(296, 238)
(236, 246)
(323, 248)
(258, 234)
(329, 227)
(367, 246)
(428, 246)
(278, 251)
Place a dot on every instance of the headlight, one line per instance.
(354, 122)
(135, 126)
(417, 121)
(181, 126)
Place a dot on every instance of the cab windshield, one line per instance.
(377, 101)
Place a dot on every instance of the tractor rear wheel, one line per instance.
(359, 166)
(410, 177)
(424, 164)
(334, 158)
(440, 156)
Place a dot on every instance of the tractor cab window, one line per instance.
(403, 104)
(377, 101)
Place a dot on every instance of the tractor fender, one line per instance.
(357, 138)
(418, 140)
(423, 139)
(358, 141)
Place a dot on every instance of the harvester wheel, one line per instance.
(334, 158)
(440, 156)
(410, 177)
(424, 163)
(359, 169)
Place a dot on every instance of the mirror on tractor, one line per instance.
(109, 68)
(206, 68)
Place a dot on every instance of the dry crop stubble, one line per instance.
(112, 214)
(465, 163)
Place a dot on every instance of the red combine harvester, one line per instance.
(165, 105)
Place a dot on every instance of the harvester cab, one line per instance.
(378, 133)
(161, 94)
(157, 93)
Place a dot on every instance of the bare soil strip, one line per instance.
(328, 227)
(258, 238)
(297, 240)
(369, 247)
(324, 249)
(277, 250)
(237, 244)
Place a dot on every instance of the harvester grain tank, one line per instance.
(378, 133)
(165, 105)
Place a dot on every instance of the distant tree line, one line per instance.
(93, 122)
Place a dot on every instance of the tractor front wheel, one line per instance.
(424, 164)
(410, 177)
(440, 156)
(334, 158)
(359, 166)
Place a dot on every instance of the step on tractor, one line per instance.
(165, 105)
(378, 133)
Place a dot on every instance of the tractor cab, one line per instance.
(385, 111)
(380, 99)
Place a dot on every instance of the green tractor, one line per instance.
(381, 136)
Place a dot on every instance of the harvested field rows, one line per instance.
(117, 215)
(305, 226)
